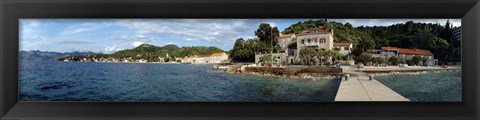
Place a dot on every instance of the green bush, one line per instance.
(364, 58)
(394, 60)
(380, 60)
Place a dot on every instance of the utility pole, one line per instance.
(271, 43)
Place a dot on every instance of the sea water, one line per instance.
(124, 82)
(442, 86)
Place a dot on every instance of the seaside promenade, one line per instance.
(359, 87)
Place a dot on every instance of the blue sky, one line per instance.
(111, 35)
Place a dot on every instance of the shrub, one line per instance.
(380, 60)
(394, 60)
(402, 61)
(364, 58)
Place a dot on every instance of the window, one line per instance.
(316, 40)
(308, 40)
(346, 48)
(322, 40)
(303, 41)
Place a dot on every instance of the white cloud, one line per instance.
(170, 43)
(112, 49)
(140, 38)
(76, 30)
(29, 29)
(137, 43)
(89, 26)
(207, 30)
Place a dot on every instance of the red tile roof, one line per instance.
(217, 54)
(286, 35)
(409, 51)
(342, 44)
(319, 30)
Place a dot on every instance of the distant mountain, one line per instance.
(152, 53)
(172, 50)
(36, 55)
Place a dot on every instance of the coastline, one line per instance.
(410, 69)
(310, 74)
(317, 72)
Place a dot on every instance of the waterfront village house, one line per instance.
(280, 57)
(206, 59)
(284, 40)
(314, 38)
(405, 53)
(344, 48)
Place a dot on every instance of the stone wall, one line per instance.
(294, 71)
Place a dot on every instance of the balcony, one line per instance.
(312, 44)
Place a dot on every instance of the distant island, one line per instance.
(147, 53)
(37, 55)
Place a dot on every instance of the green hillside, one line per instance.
(152, 52)
(434, 37)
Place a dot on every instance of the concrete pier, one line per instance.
(359, 87)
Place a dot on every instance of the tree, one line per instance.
(333, 55)
(239, 44)
(417, 59)
(320, 55)
(244, 50)
(402, 61)
(267, 34)
(307, 55)
(364, 58)
(439, 46)
(365, 44)
(329, 25)
(267, 59)
(378, 60)
(393, 60)
(292, 45)
(348, 25)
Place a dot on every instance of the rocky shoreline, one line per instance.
(287, 72)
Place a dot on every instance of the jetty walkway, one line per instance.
(359, 87)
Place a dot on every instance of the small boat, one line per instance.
(222, 67)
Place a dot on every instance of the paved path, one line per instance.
(359, 88)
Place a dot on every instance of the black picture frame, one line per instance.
(13, 10)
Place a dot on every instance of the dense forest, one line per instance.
(434, 37)
(152, 53)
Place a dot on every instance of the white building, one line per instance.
(457, 33)
(278, 57)
(285, 39)
(220, 57)
(315, 38)
(345, 48)
(404, 53)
